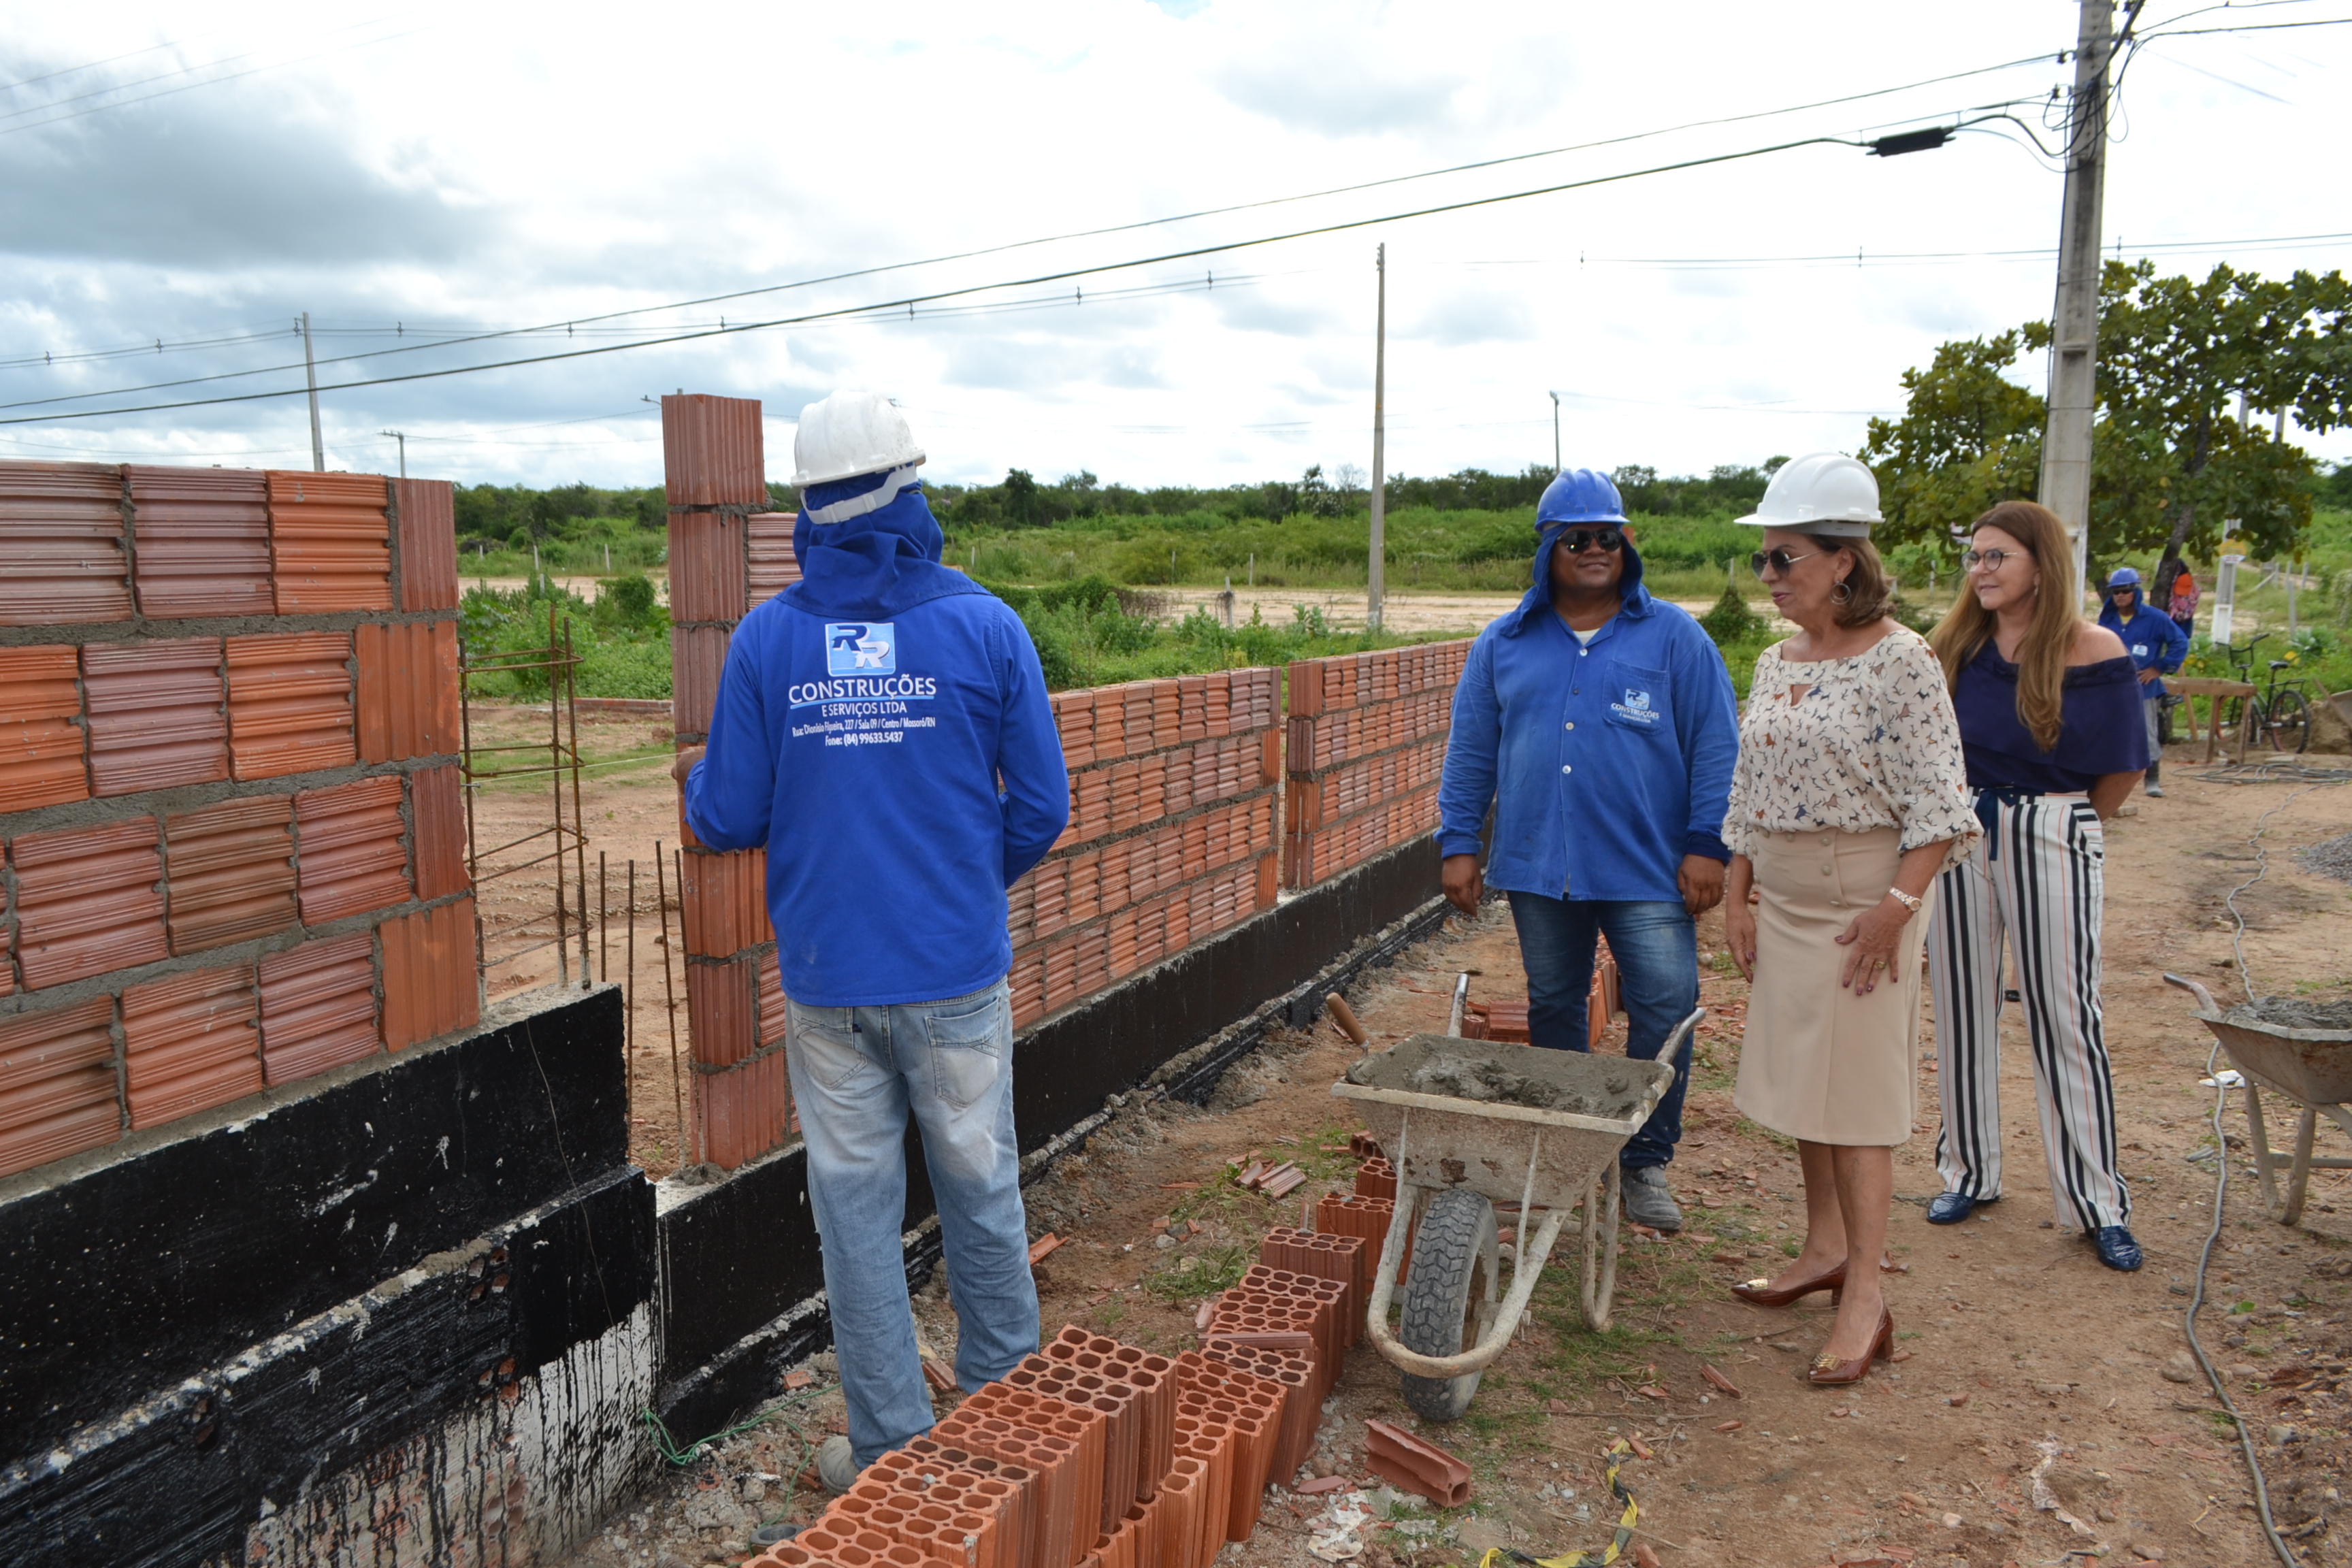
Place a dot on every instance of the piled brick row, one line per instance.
(1364, 750)
(231, 855)
(727, 552)
(1171, 835)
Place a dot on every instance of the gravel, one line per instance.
(2328, 858)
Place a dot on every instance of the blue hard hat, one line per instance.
(1579, 495)
(2124, 577)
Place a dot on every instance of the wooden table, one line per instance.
(2215, 692)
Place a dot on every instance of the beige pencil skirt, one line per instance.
(1819, 1061)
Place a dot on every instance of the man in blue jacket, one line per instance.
(1599, 725)
(864, 719)
(2156, 644)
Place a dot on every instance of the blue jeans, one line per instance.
(856, 1073)
(1656, 947)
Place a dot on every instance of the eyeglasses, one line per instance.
(1778, 560)
(1985, 560)
(1574, 540)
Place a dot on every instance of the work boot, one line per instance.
(836, 1466)
(1648, 1201)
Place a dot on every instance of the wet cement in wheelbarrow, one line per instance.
(2290, 1013)
(1499, 1073)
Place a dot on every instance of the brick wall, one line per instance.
(1365, 744)
(230, 809)
(1171, 835)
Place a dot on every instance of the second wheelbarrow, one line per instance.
(2310, 1068)
(1467, 1124)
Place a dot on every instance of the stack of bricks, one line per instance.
(233, 828)
(724, 549)
(1171, 835)
(1366, 747)
(1091, 1454)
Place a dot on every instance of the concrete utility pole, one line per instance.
(1377, 582)
(401, 436)
(2074, 320)
(1554, 433)
(311, 370)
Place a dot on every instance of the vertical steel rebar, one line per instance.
(555, 778)
(603, 925)
(466, 788)
(677, 875)
(578, 818)
(661, 902)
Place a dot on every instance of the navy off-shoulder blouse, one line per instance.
(2101, 729)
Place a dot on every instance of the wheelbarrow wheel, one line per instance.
(1449, 1298)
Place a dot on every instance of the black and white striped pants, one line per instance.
(2037, 880)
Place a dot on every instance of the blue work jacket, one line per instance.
(2150, 636)
(1605, 763)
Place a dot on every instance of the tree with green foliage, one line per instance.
(2187, 371)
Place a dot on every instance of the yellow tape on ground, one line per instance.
(1500, 1556)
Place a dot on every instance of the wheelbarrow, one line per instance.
(1467, 1124)
(2312, 1068)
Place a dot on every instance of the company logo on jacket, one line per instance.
(1635, 709)
(861, 648)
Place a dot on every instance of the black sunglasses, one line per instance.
(1574, 540)
(1778, 560)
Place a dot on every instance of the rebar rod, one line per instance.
(661, 901)
(603, 925)
(555, 755)
(629, 1010)
(466, 778)
(578, 818)
(677, 875)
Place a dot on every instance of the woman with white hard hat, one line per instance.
(2053, 725)
(1848, 799)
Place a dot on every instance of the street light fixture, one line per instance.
(401, 436)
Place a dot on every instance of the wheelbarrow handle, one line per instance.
(1682, 1032)
(2204, 997)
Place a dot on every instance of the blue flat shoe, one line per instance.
(1951, 1208)
(2117, 1247)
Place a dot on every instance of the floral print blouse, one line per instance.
(1853, 744)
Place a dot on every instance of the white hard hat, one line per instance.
(849, 434)
(1823, 492)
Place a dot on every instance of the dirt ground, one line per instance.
(2022, 1354)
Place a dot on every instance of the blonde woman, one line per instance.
(1847, 800)
(2049, 716)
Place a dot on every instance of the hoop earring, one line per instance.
(1841, 590)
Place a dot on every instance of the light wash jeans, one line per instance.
(856, 1073)
(1656, 944)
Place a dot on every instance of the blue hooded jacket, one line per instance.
(864, 717)
(1605, 763)
(2150, 636)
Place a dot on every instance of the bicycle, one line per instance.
(2280, 713)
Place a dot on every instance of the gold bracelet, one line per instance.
(1907, 900)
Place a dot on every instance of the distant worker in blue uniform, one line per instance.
(1599, 724)
(864, 719)
(2157, 646)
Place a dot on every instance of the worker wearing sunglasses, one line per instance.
(1597, 724)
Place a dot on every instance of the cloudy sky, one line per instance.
(182, 181)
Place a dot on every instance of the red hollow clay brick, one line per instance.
(428, 542)
(772, 566)
(437, 815)
(89, 899)
(289, 704)
(712, 451)
(407, 690)
(158, 715)
(318, 1007)
(190, 1042)
(57, 1084)
(723, 900)
(697, 656)
(203, 541)
(774, 1010)
(706, 567)
(40, 746)
(232, 871)
(743, 1112)
(350, 857)
(61, 537)
(1397, 1456)
(330, 543)
(719, 1004)
(429, 984)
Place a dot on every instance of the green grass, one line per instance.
(1217, 1266)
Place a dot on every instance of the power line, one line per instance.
(911, 302)
(190, 87)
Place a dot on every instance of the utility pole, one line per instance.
(311, 370)
(1376, 582)
(2074, 320)
(1555, 434)
(401, 436)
